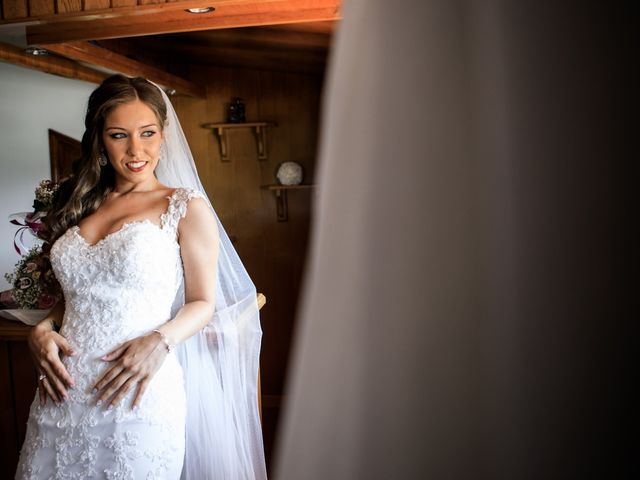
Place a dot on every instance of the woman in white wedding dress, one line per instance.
(111, 401)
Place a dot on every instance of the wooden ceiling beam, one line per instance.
(99, 56)
(264, 37)
(229, 14)
(275, 58)
(50, 64)
(84, 10)
(326, 28)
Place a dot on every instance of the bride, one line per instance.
(148, 365)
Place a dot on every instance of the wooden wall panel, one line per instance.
(41, 7)
(96, 4)
(67, 6)
(123, 3)
(273, 252)
(14, 9)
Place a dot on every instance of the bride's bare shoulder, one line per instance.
(198, 219)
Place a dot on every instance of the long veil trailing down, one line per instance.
(220, 363)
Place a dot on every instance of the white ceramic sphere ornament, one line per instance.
(289, 173)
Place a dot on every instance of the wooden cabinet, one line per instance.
(18, 383)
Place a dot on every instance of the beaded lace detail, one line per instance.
(121, 287)
(177, 208)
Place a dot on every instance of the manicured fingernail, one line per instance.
(94, 390)
(110, 407)
(135, 408)
(98, 403)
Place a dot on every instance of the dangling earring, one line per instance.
(102, 159)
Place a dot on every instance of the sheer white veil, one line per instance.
(220, 363)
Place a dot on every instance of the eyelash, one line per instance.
(116, 136)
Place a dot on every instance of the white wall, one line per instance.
(31, 102)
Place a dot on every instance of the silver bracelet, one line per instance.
(168, 344)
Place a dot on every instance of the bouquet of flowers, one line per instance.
(31, 222)
(34, 285)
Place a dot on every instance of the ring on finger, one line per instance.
(42, 377)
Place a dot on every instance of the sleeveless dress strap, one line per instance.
(177, 208)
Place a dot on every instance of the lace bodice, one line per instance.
(135, 270)
(119, 288)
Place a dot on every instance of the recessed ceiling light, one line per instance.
(36, 51)
(200, 10)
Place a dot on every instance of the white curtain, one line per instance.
(465, 248)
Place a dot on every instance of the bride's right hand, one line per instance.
(45, 345)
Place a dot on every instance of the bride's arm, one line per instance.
(45, 345)
(199, 247)
(137, 360)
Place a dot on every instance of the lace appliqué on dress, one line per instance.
(178, 203)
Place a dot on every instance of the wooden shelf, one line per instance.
(262, 300)
(260, 129)
(281, 197)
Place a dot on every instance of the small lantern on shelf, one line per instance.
(236, 111)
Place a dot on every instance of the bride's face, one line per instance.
(132, 136)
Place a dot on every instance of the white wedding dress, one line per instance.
(117, 289)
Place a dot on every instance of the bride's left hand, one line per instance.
(136, 362)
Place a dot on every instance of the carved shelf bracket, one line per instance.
(281, 198)
(259, 128)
